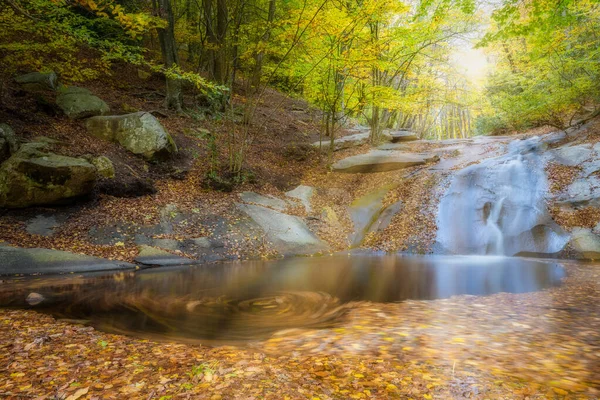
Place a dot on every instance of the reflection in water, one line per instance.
(252, 300)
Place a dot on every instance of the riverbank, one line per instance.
(530, 345)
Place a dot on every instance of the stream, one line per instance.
(252, 300)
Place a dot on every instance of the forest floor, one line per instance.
(505, 346)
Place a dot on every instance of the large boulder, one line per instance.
(80, 103)
(382, 160)
(288, 233)
(8, 142)
(38, 81)
(34, 177)
(140, 132)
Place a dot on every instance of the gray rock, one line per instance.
(38, 81)
(403, 136)
(17, 260)
(8, 142)
(104, 166)
(42, 225)
(79, 103)
(596, 229)
(304, 194)
(597, 148)
(33, 177)
(288, 234)
(586, 243)
(498, 206)
(382, 160)
(572, 155)
(345, 142)
(581, 193)
(267, 201)
(141, 133)
(153, 256)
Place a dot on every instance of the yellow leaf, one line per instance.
(78, 394)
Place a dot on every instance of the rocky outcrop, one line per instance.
(80, 103)
(8, 142)
(43, 261)
(33, 176)
(381, 161)
(288, 234)
(586, 243)
(140, 133)
(498, 206)
(38, 81)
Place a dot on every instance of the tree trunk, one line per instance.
(259, 57)
(220, 65)
(166, 36)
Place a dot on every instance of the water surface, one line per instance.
(252, 300)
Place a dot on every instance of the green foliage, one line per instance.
(548, 69)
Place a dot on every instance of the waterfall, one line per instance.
(496, 239)
(498, 206)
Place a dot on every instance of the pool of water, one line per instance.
(254, 299)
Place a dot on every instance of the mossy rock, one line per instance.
(8, 142)
(141, 133)
(38, 81)
(34, 177)
(104, 166)
(80, 103)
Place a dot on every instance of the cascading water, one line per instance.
(498, 206)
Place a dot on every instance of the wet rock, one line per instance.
(35, 177)
(8, 142)
(288, 234)
(156, 257)
(381, 161)
(581, 193)
(586, 243)
(33, 299)
(141, 133)
(38, 81)
(499, 207)
(304, 194)
(266, 201)
(572, 155)
(104, 166)
(17, 260)
(403, 136)
(79, 103)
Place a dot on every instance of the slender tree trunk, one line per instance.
(220, 66)
(259, 57)
(166, 36)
